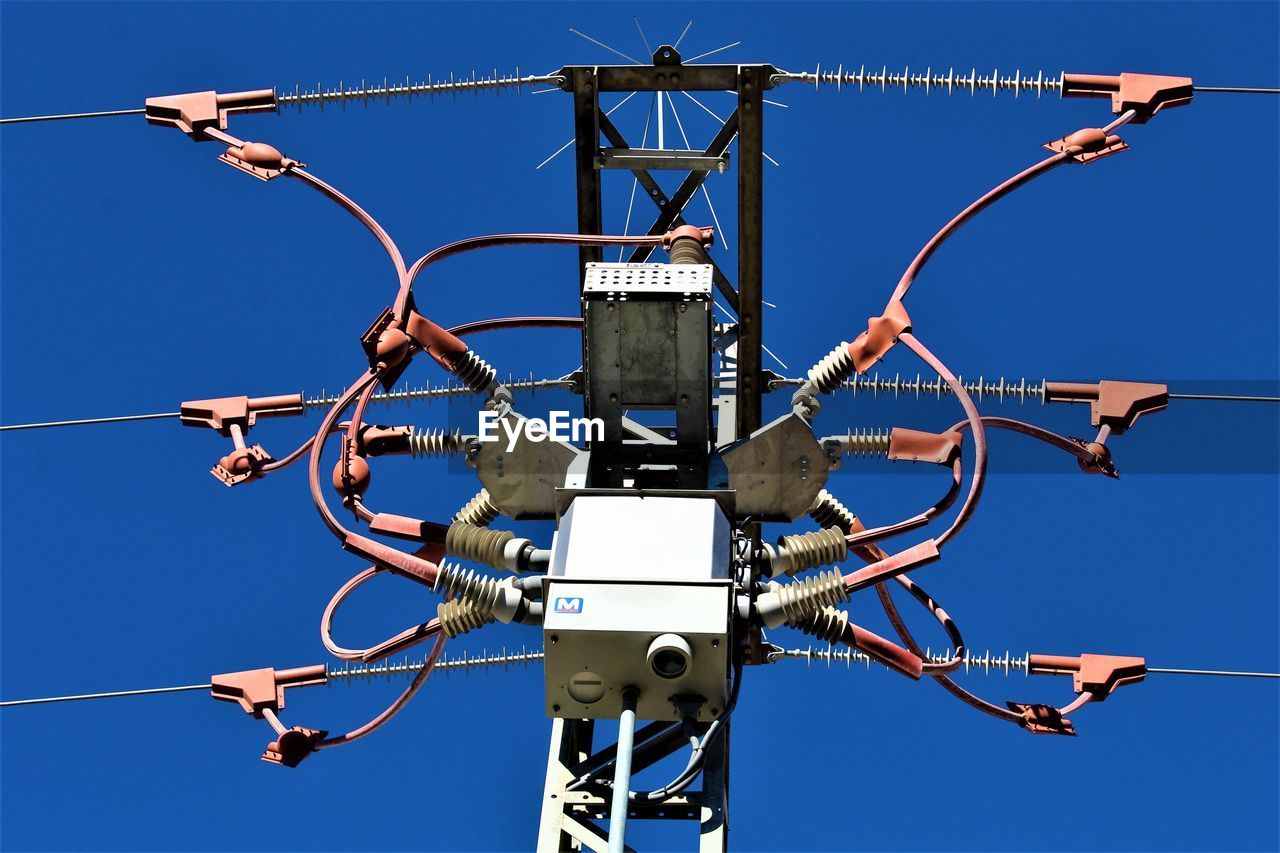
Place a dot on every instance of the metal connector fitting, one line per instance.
(259, 690)
(195, 112)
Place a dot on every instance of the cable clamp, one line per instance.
(1087, 145)
(233, 417)
(1042, 719)
(1097, 675)
(1145, 94)
(194, 112)
(291, 746)
(259, 690)
(1116, 405)
(242, 465)
(881, 334)
(258, 159)
(911, 445)
(704, 236)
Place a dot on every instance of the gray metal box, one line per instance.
(597, 635)
(630, 537)
(627, 570)
(647, 342)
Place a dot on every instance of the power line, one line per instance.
(1001, 389)
(83, 421)
(1239, 90)
(405, 394)
(406, 666)
(61, 117)
(987, 662)
(1214, 672)
(1239, 398)
(145, 692)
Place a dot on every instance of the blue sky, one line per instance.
(139, 272)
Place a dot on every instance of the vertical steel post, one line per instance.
(586, 132)
(751, 84)
(622, 772)
(713, 834)
(570, 744)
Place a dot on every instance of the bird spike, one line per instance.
(386, 90)
(906, 80)
(427, 391)
(504, 658)
(998, 388)
(987, 662)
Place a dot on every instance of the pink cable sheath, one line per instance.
(317, 445)
(1033, 431)
(331, 610)
(975, 423)
(472, 243)
(876, 534)
(1075, 705)
(938, 671)
(477, 326)
(373, 654)
(981, 204)
(397, 259)
(403, 699)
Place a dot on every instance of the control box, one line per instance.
(639, 594)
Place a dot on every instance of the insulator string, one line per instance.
(999, 389)
(504, 658)
(405, 394)
(988, 662)
(429, 88)
(1019, 82)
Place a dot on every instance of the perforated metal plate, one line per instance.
(668, 282)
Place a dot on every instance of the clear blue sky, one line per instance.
(139, 272)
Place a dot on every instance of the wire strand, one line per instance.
(63, 116)
(986, 662)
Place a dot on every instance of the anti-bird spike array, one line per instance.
(1018, 82)
(389, 89)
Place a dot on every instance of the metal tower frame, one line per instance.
(568, 814)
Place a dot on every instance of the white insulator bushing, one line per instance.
(452, 579)
(866, 442)
(829, 512)
(834, 368)
(491, 547)
(459, 616)
(827, 624)
(479, 511)
(436, 442)
(809, 551)
(478, 601)
(792, 603)
(474, 372)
